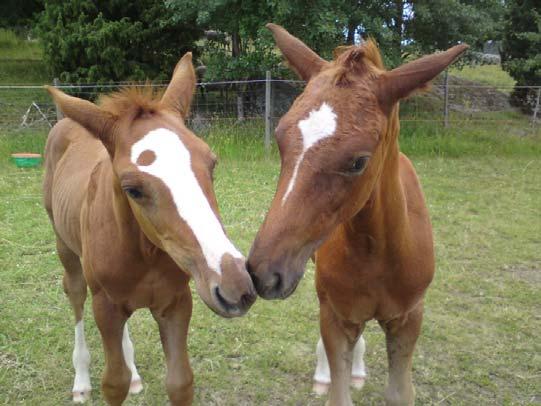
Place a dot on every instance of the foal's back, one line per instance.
(71, 154)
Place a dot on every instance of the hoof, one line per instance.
(136, 387)
(81, 396)
(357, 382)
(320, 388)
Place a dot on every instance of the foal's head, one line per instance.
(333, 142)
(164, 173)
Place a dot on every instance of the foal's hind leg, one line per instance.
(358, 369)
(75, 288)
(136, 384)
(322, 376)
(401, 336)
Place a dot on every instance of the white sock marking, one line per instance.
(127, 349)
(320, 124)
(357, 368)
(323, 372)
(81, 363)
(173, 166)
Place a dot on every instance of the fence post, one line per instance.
(446, 99)
(536, 109)
(59, 114)
(268, 110)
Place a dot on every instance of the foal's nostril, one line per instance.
(247, 300)
(277, 282)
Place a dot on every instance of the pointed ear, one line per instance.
(402, 81)
(305, 62)
(178, 95)
(96, 120)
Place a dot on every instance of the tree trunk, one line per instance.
(398, 25)
(235, 53)
(235, 44)
(351, 33)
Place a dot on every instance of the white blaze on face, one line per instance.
(320, 124)
(173, 166)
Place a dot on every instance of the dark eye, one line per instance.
(133, 192)
(358, 165)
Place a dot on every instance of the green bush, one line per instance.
(107, 40)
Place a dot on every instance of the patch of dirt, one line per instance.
(526, 273)
(8, 361)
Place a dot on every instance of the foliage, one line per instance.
(457, 21)
(439, 24)
(242, 48)
(109, 40)
(521, 49)
(18, 14)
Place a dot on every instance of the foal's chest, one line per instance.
(367, 287)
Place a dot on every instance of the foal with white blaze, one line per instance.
(128, 189)
(348, 195)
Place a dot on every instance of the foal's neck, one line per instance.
(384, 217)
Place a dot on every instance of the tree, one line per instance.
(110, 40)
(521, 49)
(439, 24)
(18, 14)
(241, 47)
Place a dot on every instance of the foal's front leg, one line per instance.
(173, 321)
(322, 375)
(339, 340)
(401, 336)
(110, 319)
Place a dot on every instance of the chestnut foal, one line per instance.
(346, 190)
(129, 192)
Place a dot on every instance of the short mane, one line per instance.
(365, 59)
(368, 51)
(132, 100)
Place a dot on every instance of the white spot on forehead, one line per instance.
(173, 166)
(319, 125)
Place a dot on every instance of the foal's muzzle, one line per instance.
(233, 295)
(275, 280)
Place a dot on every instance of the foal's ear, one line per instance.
(305, 62)
(178, 95)
(96, 120)
(402, 81)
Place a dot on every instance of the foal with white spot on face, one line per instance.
(349, 198)
(320, 124)
(128, 189)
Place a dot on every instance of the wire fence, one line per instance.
(449, 103)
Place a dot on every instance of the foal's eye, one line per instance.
(358, 165)
(133, 192)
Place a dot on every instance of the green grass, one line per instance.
(21, 61)
(492, 75)
(480, 341)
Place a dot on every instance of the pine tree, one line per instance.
(107, 40)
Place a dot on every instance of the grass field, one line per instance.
(492, 75)
(21, 61)
(480, 341)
